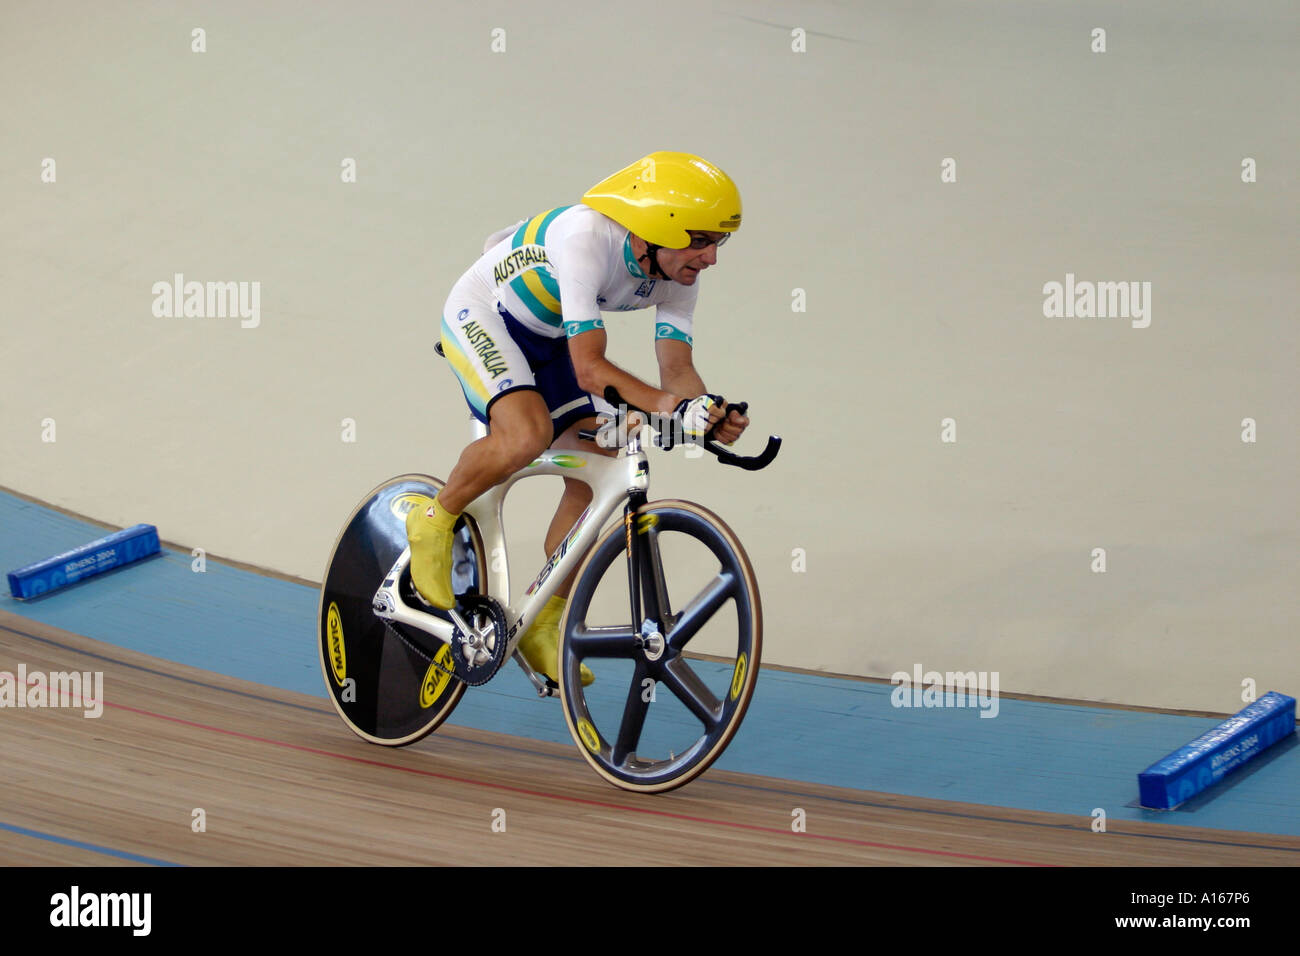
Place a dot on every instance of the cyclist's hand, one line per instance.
(692, 418)
(732, 427)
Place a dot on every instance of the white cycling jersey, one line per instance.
(555, 274)
(542, 279)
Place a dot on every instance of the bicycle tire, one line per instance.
(380, 674)
(619, 762)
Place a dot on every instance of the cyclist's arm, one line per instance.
(674, 319)
(580, 263)
(677, 373)
(594, 372)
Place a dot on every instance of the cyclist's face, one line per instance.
(683, 265)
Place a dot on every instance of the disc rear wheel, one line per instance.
(391, 684)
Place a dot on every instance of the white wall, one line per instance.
(924, 299)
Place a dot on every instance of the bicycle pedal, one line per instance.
(419, 602)
(412, 597)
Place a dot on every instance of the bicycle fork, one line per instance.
(650, 621)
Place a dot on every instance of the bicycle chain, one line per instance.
(472, 675)
(419, 651)
(407, 589)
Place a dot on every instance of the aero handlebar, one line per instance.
(724, 456)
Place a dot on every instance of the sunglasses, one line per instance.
(703, 242)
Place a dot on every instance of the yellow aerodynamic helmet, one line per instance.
(666, 195)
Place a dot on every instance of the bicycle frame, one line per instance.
(613, 481)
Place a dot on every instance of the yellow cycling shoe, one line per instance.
(540, 645)
(430, 529)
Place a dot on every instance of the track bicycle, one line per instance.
(656, 718)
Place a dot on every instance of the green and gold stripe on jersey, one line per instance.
(525, 269)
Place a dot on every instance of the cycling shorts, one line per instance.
(493, 354)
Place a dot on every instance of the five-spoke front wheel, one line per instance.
(657, 716)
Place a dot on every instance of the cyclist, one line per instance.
(523, 332)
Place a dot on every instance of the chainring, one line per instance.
(478, 665)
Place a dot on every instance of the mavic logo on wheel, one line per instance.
(436, 677)
(590, 738)
(738, 677)
(405, 502)
(334, 634)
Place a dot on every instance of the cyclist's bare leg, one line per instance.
(577, 494)
(520, 430)
(540, 643)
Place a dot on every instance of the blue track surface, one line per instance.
(1034, 756)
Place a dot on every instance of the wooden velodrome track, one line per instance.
(281, 781)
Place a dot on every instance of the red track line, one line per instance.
(566, 799)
